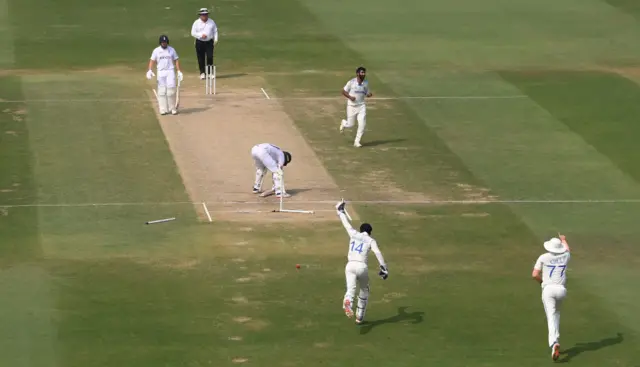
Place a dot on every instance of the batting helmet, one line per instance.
(163, 38)
(366, 227)
(287, 158)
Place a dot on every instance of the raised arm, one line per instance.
(343, 218)
(563, 239)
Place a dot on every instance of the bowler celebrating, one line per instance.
(355, 91)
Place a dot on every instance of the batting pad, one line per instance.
(162, 99)
(171, 98)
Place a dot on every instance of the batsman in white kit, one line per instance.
(550, 271)
(357, 270)
(270, 157)
(355, 92)
(164, 57)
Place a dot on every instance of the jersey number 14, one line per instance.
(356, 248)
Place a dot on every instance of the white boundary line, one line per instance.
(265, 93)
(332, 202)
(309, 98)
(206, 210)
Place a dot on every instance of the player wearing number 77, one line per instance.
(356, 271)
(550, 272)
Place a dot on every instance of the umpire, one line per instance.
(205, 31)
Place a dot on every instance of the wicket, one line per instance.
(210, 80)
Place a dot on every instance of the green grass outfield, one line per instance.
(533, 103)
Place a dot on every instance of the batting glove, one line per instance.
(384, 272)
(340, 207)
(150, 74)
(180, 76)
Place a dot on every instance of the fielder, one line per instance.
(355, 91)
(270, 157)
(357, 269)
(550, 272)
(164, 57)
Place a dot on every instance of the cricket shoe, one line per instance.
(285, 195)
(555, 351)
(342, 123)
(163, 113)
(359, 320)
(174, 112)
(357, 145)
(202, 76)
(347, 308)
(256, 190)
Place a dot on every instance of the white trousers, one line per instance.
(358, 113)
(552, 297)
(166, 90)
(264, 162)
(357, 274)
(167, 78)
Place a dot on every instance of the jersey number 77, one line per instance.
(356, 248)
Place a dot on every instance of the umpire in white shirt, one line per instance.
(205, 31)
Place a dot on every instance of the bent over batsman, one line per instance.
(270, 157)
(357, 270)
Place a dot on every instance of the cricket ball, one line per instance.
(297, 266)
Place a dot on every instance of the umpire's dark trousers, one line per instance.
(204, 48)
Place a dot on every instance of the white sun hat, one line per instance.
(555, 246)
(203, 11)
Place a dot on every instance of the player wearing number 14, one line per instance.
(550, 271)
(356, 270)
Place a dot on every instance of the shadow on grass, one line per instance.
(415, 317)
(589, 347)
(381, 142)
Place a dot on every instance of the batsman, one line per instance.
(164, 57)
(357, 270)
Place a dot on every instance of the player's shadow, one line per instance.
(188, 111)
(381, 142)
(589, 347)
(229, 76)
(295, 192)
(403, 315)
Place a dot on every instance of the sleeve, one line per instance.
(214, 30)
(376, 251)
(174, 54)
(347, 225)
(154, 55)
(280, 155)
(347, 87)
(539, 264)
(194, 30)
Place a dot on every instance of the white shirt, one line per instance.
(357, 90)
(360, 244)
(553, 268)
(209, 28)
(164, 57)
(274, 152)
